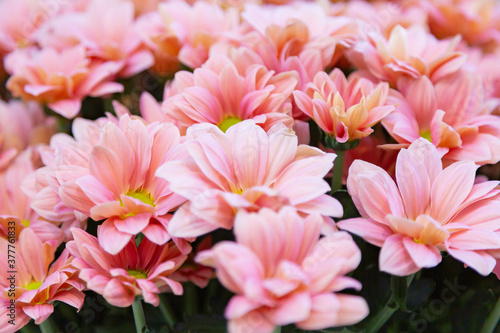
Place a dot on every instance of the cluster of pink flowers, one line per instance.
(242, 140)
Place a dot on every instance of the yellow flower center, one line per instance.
(142, 195)
(228, 122)
(33, 285)
(426, 135)
(26, 223)
(137, 274)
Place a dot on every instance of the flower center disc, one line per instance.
(228, 122)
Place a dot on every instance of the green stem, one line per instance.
(190, 299)
(277, 329)
(29, 328)
(381, 317)
(167, 311)
(140, 320)
(493, 319)
(48, 326)
(338, 171)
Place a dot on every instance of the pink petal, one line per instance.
(291, 309)
(133, 224)
(395, 259)
(39, 312)
(111, 239)
(185, 224)
(370, 230)
(422, 255)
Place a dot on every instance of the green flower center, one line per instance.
(137, 274)
(426, 135)
(33, 285)
(228, 122)
(142, 195)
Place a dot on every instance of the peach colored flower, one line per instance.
(38, 282)
(141, 270)
(246, 169)
(23, 125)
(15, 210)
(119, 185)
(218, 94)
(345, 109)
(192, 271)
(59, 79)
(477, 21)
(282, 273)
(454, 116)
(408, 52)
(197, 27)
(430, 210)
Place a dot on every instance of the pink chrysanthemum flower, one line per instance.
(134, 271)
(23, 125)
(476, 21)
(246, 169)
(345, 109)
(38, 282)
(15, 210)
(454, 116)
(219, 94)
(430, 210)
(408, 52)
(120, 186)
(282, 273)
(59, 79)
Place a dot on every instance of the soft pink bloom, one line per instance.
(246, 169)
(149, 108)
(477, 21)
(23, 125)
(219, 94)
(429, 210)
(345, 109)
(197, 27)
(119, 184)
(282, 273)
(134, 271)
(15, 205)
(454, 116)
(38, 281)
(301, 30)
(408, 52)
(192, 271)
(59, 79)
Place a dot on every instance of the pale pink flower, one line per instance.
(59, 79)
(15, 205)
(198, 27)
(477, 21)
(219, 94)
(119, 185)
(345, 109)
(246, 169)
(282, 273)
(38, 282)
(301, 29)
(430, 210)
(149, 108)
(23, 125)
(454, 116)
(141, 270)
(408, 52)
(192, 271)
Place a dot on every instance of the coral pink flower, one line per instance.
(431, 209)
(479, 20)
(454, 116)
(218, 94)
(15, 205)
(198, 27)
(37, 286)
(134, 271)
(60, 79)
(408, 52)
(119, 185)
(282, 273)
(199, 274)
(23, 125)
(246, 169)
(344, 109)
